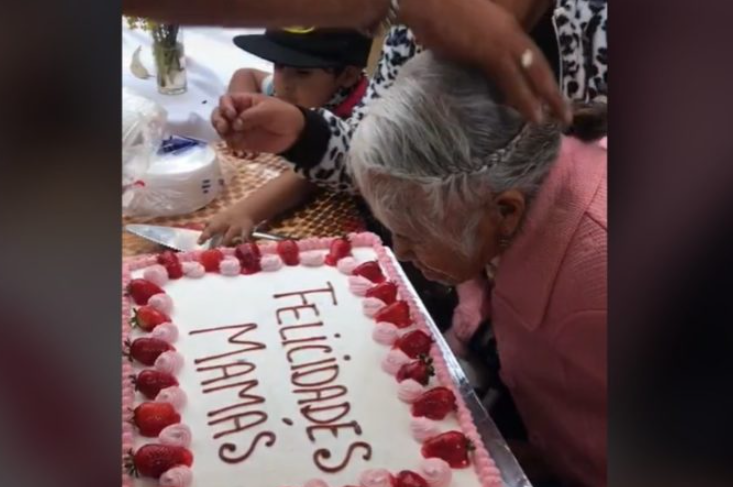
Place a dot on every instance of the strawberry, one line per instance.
(249, 257)
(407, 478)
(397, 313)
(288, 251)
(371, 271)
(151, 417)
(154, 460)
(453, 447)
(150, 382)
(146, 350)
(414, 343)
(169, 260)
(434, 404)
(340, 248)
(417, 370)
(386, 292)
(211, 259)
(147, 318)
(140, 290)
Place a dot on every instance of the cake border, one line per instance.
(489, 475)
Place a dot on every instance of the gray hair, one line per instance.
(441, 132)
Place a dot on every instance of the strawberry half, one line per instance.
(249, 257)
(434, 404)
(407, 478)
(154, 460)
(397, 313)
(150, 382)
(370, 270)
(414, 343)
(340, 248)
(151, 417)
(141, 290)
(453, 447)
(418, 370)
(385, 292)
(288, 252)
(146, 317)
(167, 258)
(211, 259)
(146, 350)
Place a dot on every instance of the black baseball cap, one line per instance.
(309, 47)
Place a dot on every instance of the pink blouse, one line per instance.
(549, 306)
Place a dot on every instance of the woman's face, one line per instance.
(438, 258)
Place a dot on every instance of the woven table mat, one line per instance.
(325, 214)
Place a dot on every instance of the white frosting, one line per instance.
(218, 301)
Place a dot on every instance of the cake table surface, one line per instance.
(326, 214)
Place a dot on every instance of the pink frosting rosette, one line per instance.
(173, 395)
(162, 302)
(176, 435)
(371, 306)
(168, 332)
(347, 265)
(375, 478)
(180, 476)
(409, 391)
(423, 429)
(157, 274)
(312, 258)
(169, 362)
(385, 333)
(359, 285)
(271, 263)
(394, 361)
(193, 269)
(436, 472)
(230, 267)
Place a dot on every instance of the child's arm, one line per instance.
(247, 80)
(282, 193)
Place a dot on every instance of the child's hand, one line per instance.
(223, 116)
(262, 123)
(233, 223)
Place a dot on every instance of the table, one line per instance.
(325, 214)
(211, 59)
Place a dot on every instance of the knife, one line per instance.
(183, 239)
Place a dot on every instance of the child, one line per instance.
(314, 68)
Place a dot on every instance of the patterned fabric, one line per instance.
(582, 40)
(580, 27)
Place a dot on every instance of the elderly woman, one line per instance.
(467, 187)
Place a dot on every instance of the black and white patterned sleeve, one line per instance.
(330, 170)
(581, 26)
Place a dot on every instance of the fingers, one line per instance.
(516, 88)
(234, 231)
(221, 125)
(227, 108)
(542, 80)
(212, 228)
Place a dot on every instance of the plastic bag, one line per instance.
(143, 127)
(183, 176)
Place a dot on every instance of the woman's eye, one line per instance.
(303, 73)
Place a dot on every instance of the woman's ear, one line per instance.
(349, 76)
(511, 205)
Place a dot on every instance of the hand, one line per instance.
(485, 35)
(233, 223)
(263, 124)
(223, 116)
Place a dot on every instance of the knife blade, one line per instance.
(183, 239)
